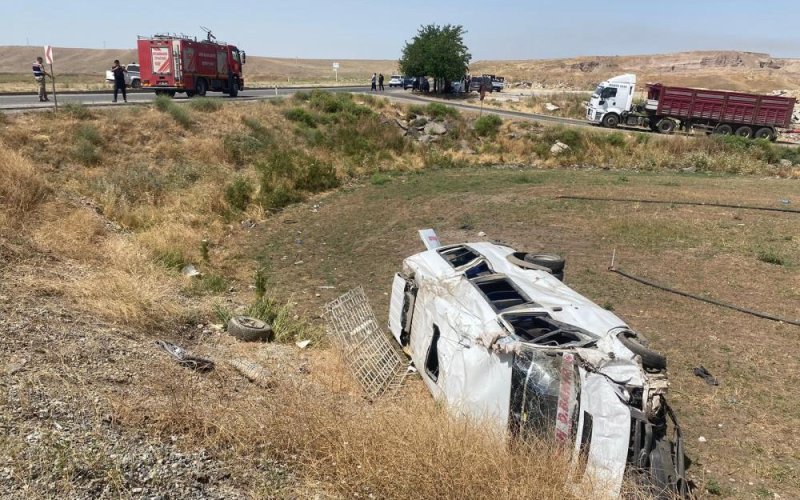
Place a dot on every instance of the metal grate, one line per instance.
(367, 350)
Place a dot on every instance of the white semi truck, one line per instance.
(666, 108)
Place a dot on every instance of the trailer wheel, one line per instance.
(610, 120)
(765, 133)
(723, 129)
(201, 87)
(744, 131)
(666, 126)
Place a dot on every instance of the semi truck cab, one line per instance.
(611, 100)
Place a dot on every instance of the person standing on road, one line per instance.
(38, 74)
(374, 78)
(119, 80)
(380, 82)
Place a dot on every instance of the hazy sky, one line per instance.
(355, 29)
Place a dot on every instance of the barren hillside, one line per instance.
(714, 69)
(718, 69)
(92, 64)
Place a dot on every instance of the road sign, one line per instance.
(48, 54)
(335, 65)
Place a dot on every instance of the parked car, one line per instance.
(478, 82)
(396, 81)
(132, 77)
(408, 82)
(498, 336)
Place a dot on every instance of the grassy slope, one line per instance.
(99, 217)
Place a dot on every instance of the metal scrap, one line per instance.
(185, 358)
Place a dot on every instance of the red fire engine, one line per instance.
(171, 64)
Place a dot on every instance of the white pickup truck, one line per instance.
(132, 78)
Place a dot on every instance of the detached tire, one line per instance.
(554, 263)
(249, 329)
(650, 358)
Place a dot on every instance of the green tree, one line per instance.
(437, 51)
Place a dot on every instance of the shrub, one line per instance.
(379, 179)
(616, 139)
(302, 116)
(286, 173)
(239, 193)
(439, 110)
(205, 105)
(89, 133)
(86, 153)
(488, 125)
(171, 259)
(771, 256)
(242, 148)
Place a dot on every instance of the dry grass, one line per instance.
(23, 187)
(339, 445)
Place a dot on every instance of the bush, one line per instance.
(379, 179)
(205, 105)
(488, 125)
(243, 148)
(89, 133)
(286, 173)
(302, 116)
(239, 193)
(439, 110)
(86, 153)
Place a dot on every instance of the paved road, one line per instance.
(21, 102)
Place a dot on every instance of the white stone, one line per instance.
(435, 128)
(559, 147)
(551, 107)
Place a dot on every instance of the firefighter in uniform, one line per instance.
(38, 74)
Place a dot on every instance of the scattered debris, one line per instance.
(302, 344)
(190, 271)
(481, 234)
(252, 371)
(705, 375)
(368, 352)
(559, 147)
(701, 439)
(249, 329)
(184, 358)
(549, 106)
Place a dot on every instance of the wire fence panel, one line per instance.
(367, 350)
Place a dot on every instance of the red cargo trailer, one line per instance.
(667, 108)
(721, 112)
(172, 64)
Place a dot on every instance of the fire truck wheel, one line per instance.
(201, 87)
(234, 90)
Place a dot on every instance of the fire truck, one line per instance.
(172, 64)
